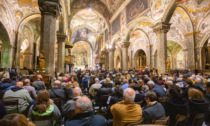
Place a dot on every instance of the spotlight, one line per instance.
(90, 9)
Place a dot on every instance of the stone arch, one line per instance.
(134, 26)
(140, 61)
(169, 11)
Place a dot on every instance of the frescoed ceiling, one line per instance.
(90, 18)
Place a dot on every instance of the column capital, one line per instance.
(61, 38)
(104, 51)
(125, 44)
(112, 49)
(161, 27)
(50, 7)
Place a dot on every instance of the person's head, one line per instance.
(96, 80)
(174, 91)
(27, 82)
(57, 83)
(208, 87)
(108, 80)
(15, 120)
(39, 77)
(129, 95)
(189, 69)
(83, 104)
(77, 92)
(145, 88)
(6, 80)
(169, 83)
(118, 90)
(189, 82)
(195, 94)
(150, 84)
(150, 96)
(140, 82)
(125, 81)
(14, 78)
(42, 101)
(197, 80)
(74, 78)
(146, 76)
(19, 84)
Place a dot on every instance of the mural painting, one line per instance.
(134, 8)
(83, 34)
(116, 25)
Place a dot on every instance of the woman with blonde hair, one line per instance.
(15, 120)
(44, 106)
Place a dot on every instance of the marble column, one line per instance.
(186, 58)
(50, 10)
(161, 30)
(111, 59)
(125, 46)
(61, 52)
(132, 60)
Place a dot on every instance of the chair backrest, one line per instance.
(12, 103)
(161, 122)
(71, 113)
(58, 103)
(134, 123)
(198, 119)
(103, 100)
(181, 120)
(162, 100)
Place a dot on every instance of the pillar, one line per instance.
(125, 46)
(50, 10)
(132, 60)
(61, 52)
(161, 30)
(111, 59)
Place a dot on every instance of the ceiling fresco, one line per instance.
(89, 18)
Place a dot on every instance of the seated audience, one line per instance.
(14, 80)
(154, 110)
(160, 92)
(175, 104)
(3, 111)
(73, 83)
(70, 104)
(5, 85)
(108, 83)
(94, 87)
(20, 94)
(118, 95)
(197, 103)
(125, 84)
(208, 98)
(15, 120)
(39, 84)
(126, 111)
(57, 91)
(85, 114)
(29, 88)
(45, 107)
(188, 85)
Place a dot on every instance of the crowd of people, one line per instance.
(105, 98)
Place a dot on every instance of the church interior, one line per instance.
(108, 34)
(61, 37)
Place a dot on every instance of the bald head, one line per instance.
(77, 92)
(39, 77)
(19, 84)
(129, 95)
(83, 104)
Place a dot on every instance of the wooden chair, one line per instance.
(181, 120)
(12, 103)
(35, 118)
(134, 123)
(103, 101)
(198, 120)
(71, 113)
(161, 122)
(58, 103)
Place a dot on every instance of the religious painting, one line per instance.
(82, 34)
(106, 35)
(116, 25)
(134, 8)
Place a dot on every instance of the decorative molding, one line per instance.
(50, 7)
(61, 38)
(161, 27)
(125, 44)
(192, 33)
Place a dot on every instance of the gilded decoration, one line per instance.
(32, 3)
